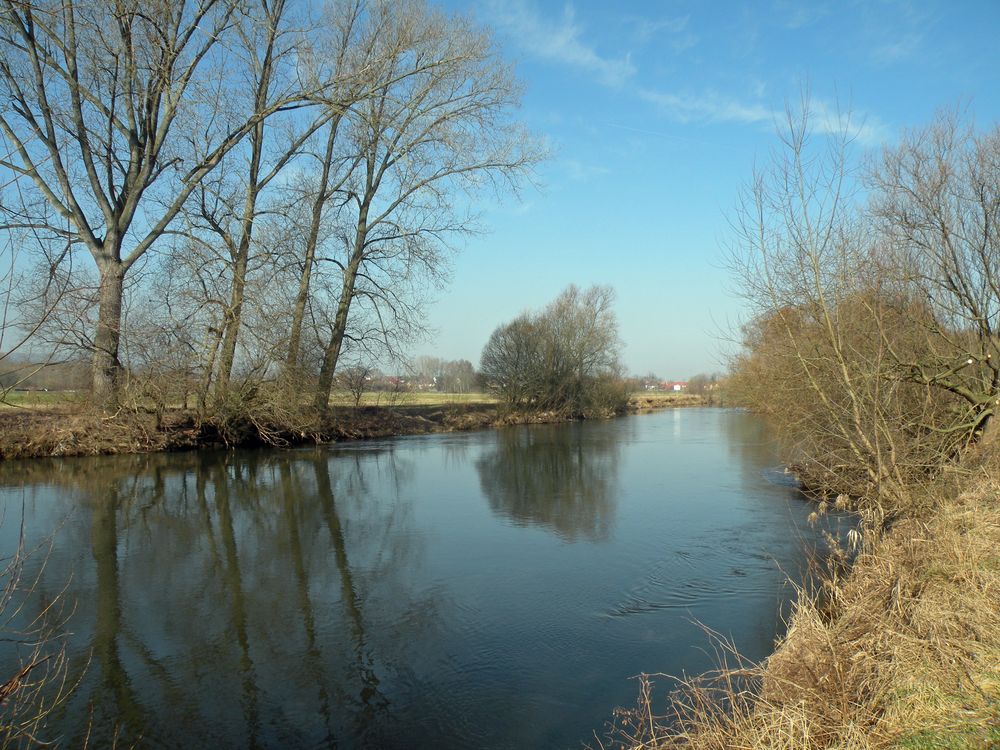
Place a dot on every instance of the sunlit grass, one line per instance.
(662, 395)
(415, 398)
(38, 399)
(49, 399)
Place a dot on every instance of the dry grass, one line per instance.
(414, 398)
(664, 400)
(903, 653)
(46, 400)
(40, 399)
(61, 424)
(33, 433)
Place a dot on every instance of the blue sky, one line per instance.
(656, 113)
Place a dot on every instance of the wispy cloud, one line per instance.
(662, 134)
(708, 106)
(560, 40)
(674, 31)
(796, 15)
(581, 172)
(825, 117)
(833, 118)
(897, 49)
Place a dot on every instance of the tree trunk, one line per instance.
(107, 368)
(234, 315)
(206, 378)
(332, 353)
(299, 312)
(254, 186)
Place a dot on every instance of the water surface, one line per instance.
(494, 589)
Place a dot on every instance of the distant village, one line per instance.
(667, 385)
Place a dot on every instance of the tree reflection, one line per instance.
(259, 598)
(237, 610)
(559, 477)
(125, 707)
(749, 439)
(370, 703)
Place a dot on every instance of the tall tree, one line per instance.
(936, 202)
(100, 99)
(439, 123)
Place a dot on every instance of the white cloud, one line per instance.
(580, 172)
(831, 118)
(675, 30)
(825, 117)
(795, 14)
(559, 40)
(899, 49)
(707, 106)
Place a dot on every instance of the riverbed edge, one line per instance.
(26, 433)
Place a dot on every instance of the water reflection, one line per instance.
(219, 584)
(749, 441)
(560, 477)
(399, 593)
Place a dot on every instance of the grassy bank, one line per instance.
(901, 652)
(63, 427)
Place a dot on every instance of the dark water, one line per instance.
(492, 589)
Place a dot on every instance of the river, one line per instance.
(494, 589)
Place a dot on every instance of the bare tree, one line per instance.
(97, 98)
(833, 322)
(358, 35)
(437, 125)
(512, 362)
(937, 202)
(26, 308)
(564, 358)
(336, 61)
(355, 379)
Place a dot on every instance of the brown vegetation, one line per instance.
(904, 652)
(873, 351)
(63, 431)
(647, 401)
(37, 683)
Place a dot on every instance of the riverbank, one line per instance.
(903, 651)
(67, 431)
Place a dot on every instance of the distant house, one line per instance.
(674, 385)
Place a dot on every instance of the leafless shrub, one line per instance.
(355, 380)
(37, 682)
(875, 378)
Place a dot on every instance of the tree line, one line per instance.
(236, 198)
(875, 287)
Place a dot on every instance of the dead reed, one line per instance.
(902, 652)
